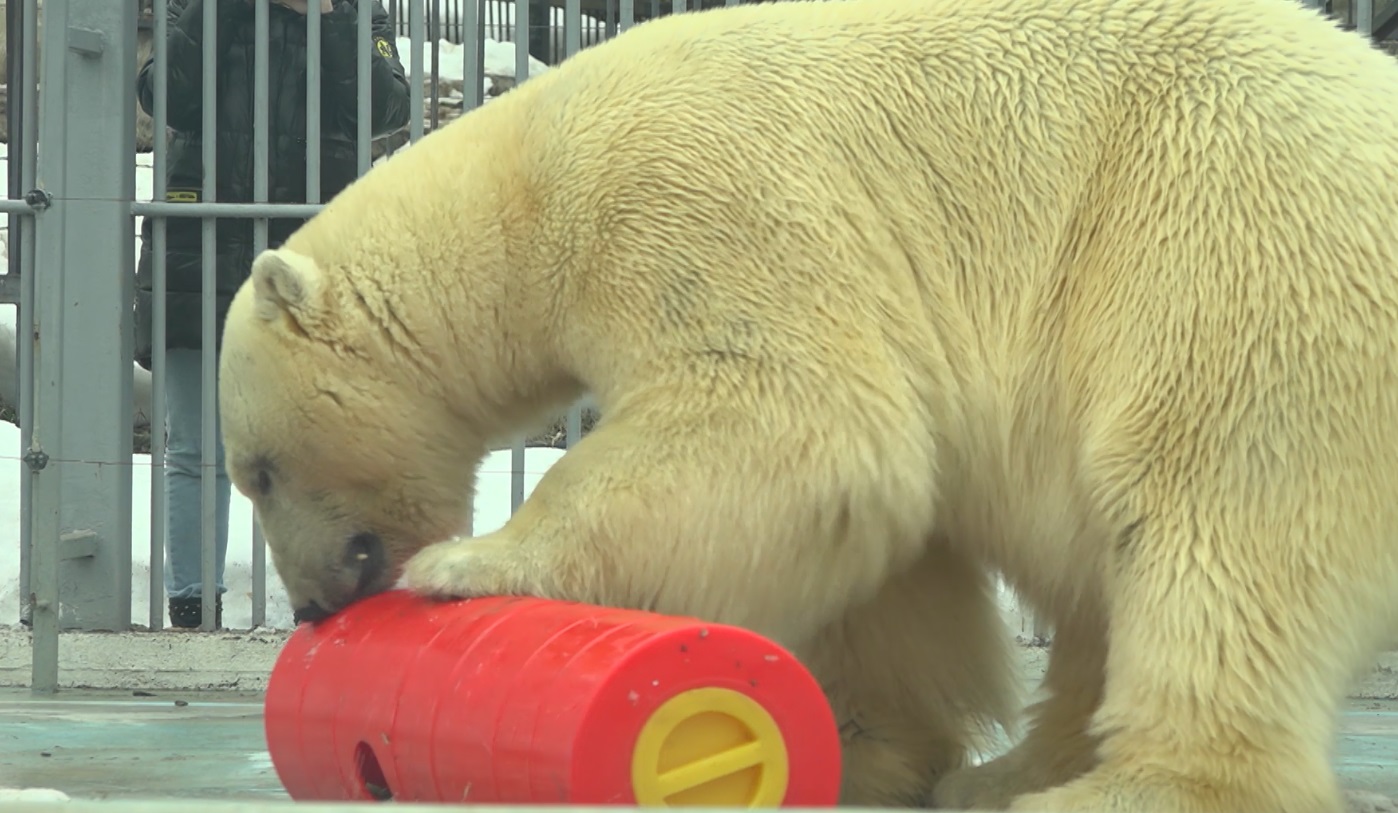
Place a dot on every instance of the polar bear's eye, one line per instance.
(264, 481)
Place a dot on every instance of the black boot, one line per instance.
(188, 613)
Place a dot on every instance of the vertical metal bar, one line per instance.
(1364, 17)
(313, 102)
(572, 27)
(16, 81)
(628, 14)
(574, 426)
(14, 78)
(260, 130)
(541, 35)
(208, 514)
(158, 499)
(46, 446)
(434, 23)
(24, 326)
(364, 88)
(516, 471)
(111, 256)
(416, 34)
(473, 56)
(522, 41)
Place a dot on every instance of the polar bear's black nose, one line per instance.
(365, 553)
(311, 613)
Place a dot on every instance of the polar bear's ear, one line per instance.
(285, 282)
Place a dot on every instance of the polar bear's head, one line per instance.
(338, 431)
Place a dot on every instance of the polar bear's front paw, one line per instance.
(473, 567)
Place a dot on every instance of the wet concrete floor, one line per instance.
(201, 745)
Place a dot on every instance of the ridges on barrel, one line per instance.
(510, 700)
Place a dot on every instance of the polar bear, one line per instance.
(1098, 295)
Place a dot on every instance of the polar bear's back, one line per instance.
(1005, 142)
(1000, 116)
(1101, 213)
(1105, 214)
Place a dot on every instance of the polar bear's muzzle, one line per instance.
(365, 561)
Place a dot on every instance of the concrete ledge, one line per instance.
(241, 661)
(1357, 802)
(150, 661)
(318, 807)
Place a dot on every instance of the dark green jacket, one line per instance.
(286, 108)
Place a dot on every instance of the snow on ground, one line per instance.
(499, 18)
(491, 510)
(451, 61)
(498, 11)
(32, 795)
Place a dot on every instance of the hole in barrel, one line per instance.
(372, 782)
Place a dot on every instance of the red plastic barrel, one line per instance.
(524, 701)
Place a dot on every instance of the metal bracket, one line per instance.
(85, 41)
(38, 199)
(77, 545)
(36, 459)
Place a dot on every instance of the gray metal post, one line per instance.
(158, 511)
(417, 34)
(28, 108)
(517, 460)
(18, 52)
(1043, 630)
(1364, 17)
(261, 148)
(522, 40)
(84, 281)
(47, 425)
(364, 42)
(522, 15)
(208, 428)
(473, 57)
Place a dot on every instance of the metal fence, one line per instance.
(71, 209)
(494, 19)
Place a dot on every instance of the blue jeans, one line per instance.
(183, 459)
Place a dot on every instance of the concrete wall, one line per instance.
(242, 661)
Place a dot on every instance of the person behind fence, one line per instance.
(233, 246)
